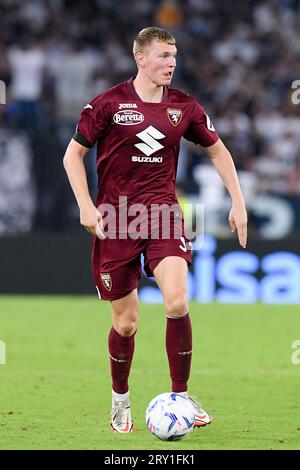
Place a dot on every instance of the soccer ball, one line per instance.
(170, 416)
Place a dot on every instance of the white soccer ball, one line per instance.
(170, 416)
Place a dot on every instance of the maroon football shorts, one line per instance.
(116, 263)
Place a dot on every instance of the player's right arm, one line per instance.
(74, 165)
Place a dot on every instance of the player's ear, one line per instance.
(139, 58)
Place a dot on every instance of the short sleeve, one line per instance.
(93, 123)
(201, 131)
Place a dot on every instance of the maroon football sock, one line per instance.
(179, 350)
(121, 350)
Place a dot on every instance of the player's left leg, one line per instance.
(171, 277)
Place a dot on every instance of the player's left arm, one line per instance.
(223, 162)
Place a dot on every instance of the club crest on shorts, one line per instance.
(106, 280)
(175, 116)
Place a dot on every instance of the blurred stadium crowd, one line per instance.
(238, 58)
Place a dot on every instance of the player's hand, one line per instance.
(238, 221)
(92, 221)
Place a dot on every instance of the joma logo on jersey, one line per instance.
(128, 117)
(127, 105)
(175, 116)
(150, 136)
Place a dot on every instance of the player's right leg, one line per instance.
(121, 349)
(116, 270)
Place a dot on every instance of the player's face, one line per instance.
(160, 62)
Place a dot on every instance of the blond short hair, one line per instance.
(147, 35)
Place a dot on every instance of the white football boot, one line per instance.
(121, 417)
(202, 418)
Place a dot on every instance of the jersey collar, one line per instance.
(136, 97)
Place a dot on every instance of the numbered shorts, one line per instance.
(117, 263)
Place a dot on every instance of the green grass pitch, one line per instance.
(55, 390)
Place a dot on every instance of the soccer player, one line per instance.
(138, 125)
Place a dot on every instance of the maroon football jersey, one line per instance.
(138, 142)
